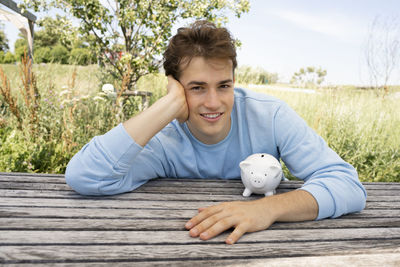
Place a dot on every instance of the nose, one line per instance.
(212, 100)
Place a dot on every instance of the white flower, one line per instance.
(64, 92)
(98, 98)
(107, 88)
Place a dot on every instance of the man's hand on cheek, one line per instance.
(249, 216)
(175, 88)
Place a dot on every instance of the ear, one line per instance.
(275, 168)
(244, 164)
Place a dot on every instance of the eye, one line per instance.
(196, 88)
(265, 174)
(251, 172)
(224, 86)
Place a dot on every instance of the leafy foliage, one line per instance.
(80, 56)
(42, 55)
(250, 75)
(9, 58)
(3, 41)
(309, 77)
(144, 27)
(59, 54)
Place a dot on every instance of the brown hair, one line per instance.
(201, 39)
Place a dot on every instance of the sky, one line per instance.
(283, 36)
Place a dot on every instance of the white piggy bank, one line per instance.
(261, 173)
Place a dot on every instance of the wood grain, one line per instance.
(42, 221)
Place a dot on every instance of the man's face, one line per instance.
(209, 93)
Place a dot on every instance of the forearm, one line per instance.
(148, 123)
(297, 205)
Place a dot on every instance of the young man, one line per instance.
(203, 128)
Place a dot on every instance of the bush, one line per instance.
(20, 51)
(42, 55)
(9, 58)
(59, 54)
(20, 46)
(250, 75)
(80, 56)
(1, 57)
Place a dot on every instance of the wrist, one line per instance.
(297, 205)
(177, 105)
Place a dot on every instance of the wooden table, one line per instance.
(43, 222)
(145, 96)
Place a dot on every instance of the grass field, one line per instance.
(360, 126)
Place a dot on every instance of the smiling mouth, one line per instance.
(211, 116)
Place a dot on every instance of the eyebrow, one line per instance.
(202, 83)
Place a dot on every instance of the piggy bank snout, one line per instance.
(258, 181)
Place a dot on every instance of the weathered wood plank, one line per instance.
(30, 175)
(141, 204)
(38, 179)
(171, 190)
(8, 193)
(146, 196)
(204, 251)
(62, 212)
(103, 203)
(374, 259)
(167, 182)
(176, 224)
(182, 237)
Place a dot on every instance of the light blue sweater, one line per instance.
(113, 163)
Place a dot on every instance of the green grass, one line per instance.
(362, 128)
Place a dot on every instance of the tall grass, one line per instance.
(362, 128)
(71, 110)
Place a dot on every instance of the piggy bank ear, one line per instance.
(276, 169)
(244, 164)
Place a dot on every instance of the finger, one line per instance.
(170, 78)
(219, 227)
(201, 209)
(207, 223)
(206, 212)
(239, 231)
(171, 83)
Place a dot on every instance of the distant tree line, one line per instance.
(255, 75)
(56, 42)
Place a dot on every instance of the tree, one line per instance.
(9, 58)
(56, 31)
(59, 54)
(141, 27)
(20, 47)
(309, 77)
(3, 40)
(53, 42)
(382, 51)
(249, 75)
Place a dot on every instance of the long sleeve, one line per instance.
(112, 163)
(333, 182)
